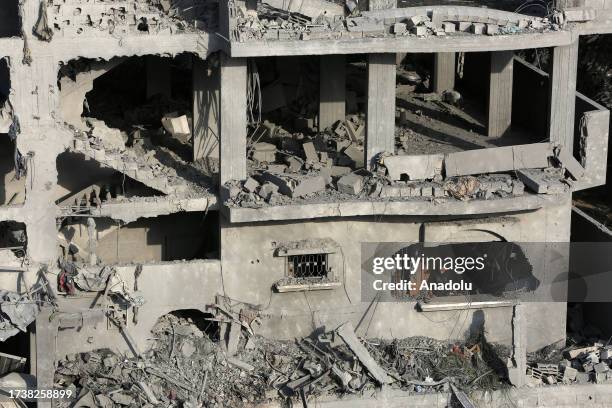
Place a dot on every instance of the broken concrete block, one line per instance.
(356, 154)
(419, 31)
(605, 354)
(438, 191)
(416, 21)
(491, 29)
(276, 168)
(250, 185)
(354, 134)
(477, 28)
(427, 191)
(264, 152)
(569, 374)
(228, 192)
(310, 152)
(350, 184)
(496, 159)
(449, 27)
(399, 28)
(296, 185)
(176, 125)
(339, 171)
(579, 14)
(465, 26)
(418, 167)
(582, 378)
(390, 191)
(266, 190)
(601, 367)
(295, 164)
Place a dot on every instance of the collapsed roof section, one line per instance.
(75, 18)
(271, 26)
(133, 116)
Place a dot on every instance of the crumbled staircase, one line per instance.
(155, 175)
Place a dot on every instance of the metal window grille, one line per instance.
(307, 266)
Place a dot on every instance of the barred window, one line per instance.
(309, 266)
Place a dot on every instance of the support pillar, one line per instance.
(444, 72)
(500, 93)
(332, 90)
(563, 94)
(159, 77)
(233, 125)
(380, 126)
(205, 108)
(46, 350)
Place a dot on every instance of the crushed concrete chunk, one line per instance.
(421, 167)
(350, 184)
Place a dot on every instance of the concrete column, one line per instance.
(563, 94)
(444, 72)
(46, 350)
(205, 108)
(380, 126)
(158, 76)
(332, 90)
(233, 127)
(516, 373)
(500, 93)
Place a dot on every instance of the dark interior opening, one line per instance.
(10, 21)
(174, 237)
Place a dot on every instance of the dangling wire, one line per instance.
(253, 94)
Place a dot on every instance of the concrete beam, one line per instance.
(563, 94)
(410, 44)
(332, 90)
(233, 128)
(500, 93)
(444, 72)
(379, 208)
(380, 126)
(159, 77)
(206, 89)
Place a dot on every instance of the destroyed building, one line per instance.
(181, 176)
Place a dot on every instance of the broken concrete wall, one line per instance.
(591, 141)
(251, 268)
(10, 21)
(165, 238)
(165, 287)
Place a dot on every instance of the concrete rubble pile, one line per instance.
(146, 155)
(71, 18)
(576, 364)
(274, 20)
(192, 363)
(287, 167)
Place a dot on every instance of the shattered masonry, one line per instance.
(186, 185)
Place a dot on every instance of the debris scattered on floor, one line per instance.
(278, 20)
(190, 364)
(17, 311)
